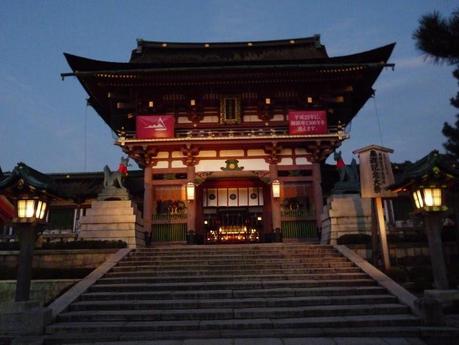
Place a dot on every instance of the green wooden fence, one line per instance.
(169, 232)
(299, 229)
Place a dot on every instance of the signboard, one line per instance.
(375, 171)
(307, 122)
(155, 126)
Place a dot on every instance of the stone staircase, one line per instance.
(232, 291)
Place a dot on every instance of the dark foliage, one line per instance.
(69, 245)
(439, 38)
(354, 239)
(7, 273)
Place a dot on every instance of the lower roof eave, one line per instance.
(234, 139)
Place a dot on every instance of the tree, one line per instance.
(439, 38)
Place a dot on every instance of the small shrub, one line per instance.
(354, 239)
(407, 237)
(449, 234)
(398, 273)
(421, 276)
(47, 273)
(9, 245)
(69, 245)
(83, 244)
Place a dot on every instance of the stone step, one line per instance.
(391, 335)
(235, 324)
(236, 262)
(230, 313)
(135, 272)
(238, 247)
(228, 278)
(234, 252)
(243, 285)
(219, 249)
(219, 267)
(231, 291)
(329, 292)
(264, 256)
(257, 293)
(190, 303)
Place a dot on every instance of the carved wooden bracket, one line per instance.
(318, 151)
(273, 152)
(190, 153)
(144, 155)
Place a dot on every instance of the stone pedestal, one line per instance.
(113, 220)
(23, 318)
(345, 214)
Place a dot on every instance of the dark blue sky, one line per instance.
(45, 122)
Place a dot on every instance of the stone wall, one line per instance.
(403, 250)
(63, 259)
(43, 291)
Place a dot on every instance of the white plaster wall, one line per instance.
(302, 161)
(300, 151)
(251, 118)
(207, 154)
(183, 119)
(255, 153)
(217, 164)
(231, 153)
(162, 165)
(286, 161)
(177, 164)
(210, 119)
(162, 154)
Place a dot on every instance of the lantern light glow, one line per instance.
(190, 191)
(31, 210)
(429, 199)
(276, 188)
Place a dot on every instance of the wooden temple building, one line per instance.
(231, 136)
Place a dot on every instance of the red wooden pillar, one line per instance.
(275, 202)
(317, 190)
(148, 199)
(191, 212)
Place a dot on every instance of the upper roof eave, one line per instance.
(80, 64)
(315, 39)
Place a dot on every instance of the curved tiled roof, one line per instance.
(175, 53)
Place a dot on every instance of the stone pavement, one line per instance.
(279, 341)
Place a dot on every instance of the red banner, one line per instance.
(155, 126)
(307, 122)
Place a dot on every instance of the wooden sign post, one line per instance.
(375, 175)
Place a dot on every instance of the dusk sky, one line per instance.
(45, 122)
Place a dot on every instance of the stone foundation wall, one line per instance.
(345, 214)
(113, 220)
(403, 250)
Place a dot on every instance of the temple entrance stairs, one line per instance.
(233, 291)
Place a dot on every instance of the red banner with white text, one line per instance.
(155, 126)
(307, 122)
